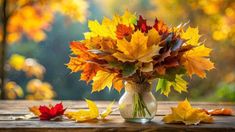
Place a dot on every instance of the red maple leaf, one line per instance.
(50, 112)
(142, 25)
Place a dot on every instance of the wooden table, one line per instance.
(113, 123)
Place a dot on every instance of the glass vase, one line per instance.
(137, 104)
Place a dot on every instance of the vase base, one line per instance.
(138, 120)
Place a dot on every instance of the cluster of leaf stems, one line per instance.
(139, 106)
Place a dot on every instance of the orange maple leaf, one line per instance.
(35, 110)
(75, 64)
(196, 61)
(89, 72)
(122, 31)
(118, 84)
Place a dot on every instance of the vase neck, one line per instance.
(138, 87)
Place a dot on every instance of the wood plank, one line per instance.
(114, 123)
(20, 107)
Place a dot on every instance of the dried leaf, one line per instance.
(123, 31)
(196, 61)
(89, 71)
(35, 110)
(136, 49)
(84, 115)
(118, 84)
(222, 111)
(51, 112)
(108, 111)
(153, 37)
(142, 25)
(192, 36)
(186, 114)
(108, 26)
(101, 80)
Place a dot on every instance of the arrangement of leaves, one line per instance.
(183, 113)
(125, 48)
(56, 112)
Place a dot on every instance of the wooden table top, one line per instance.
(114, 122)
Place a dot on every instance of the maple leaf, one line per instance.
(48, 113)
(185, 113)
(196, 61)
(103, 30)
(89, 71)
(77, 47)
(84, 115)
(153, 37)
(191, 35)
(123, 31)
(35, 110)
(179, 84)
(118, 84)
(160, 27)
(108, 26)
(136, 49)
(127, 18)
(80, 49)
(221, 111)
(75, 64)
(101, 80)
(142, 25)
(107, 111)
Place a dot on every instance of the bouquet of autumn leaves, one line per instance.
(126, 48)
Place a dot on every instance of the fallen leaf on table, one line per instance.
(84, 115)
(108, 111)
(222, 111)
(51, 112)
(185, 113)
(35, 110)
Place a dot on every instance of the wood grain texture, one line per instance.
(113, 123)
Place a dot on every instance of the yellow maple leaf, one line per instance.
(108, 26)
(192, 36)
(136, 49)
(101, 80)
(185, 113)
(153, 37)
(196, 61)
(107, 111)
(84, 115)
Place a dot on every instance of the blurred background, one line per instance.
(37, 33)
